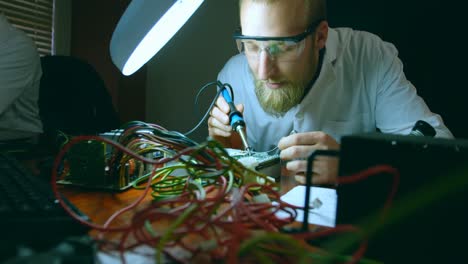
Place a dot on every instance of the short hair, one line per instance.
(317, 8)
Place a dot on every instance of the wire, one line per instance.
(204, 200)
(220, 87)
(372, 171)
(213, 102)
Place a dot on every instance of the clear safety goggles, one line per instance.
(278, 48)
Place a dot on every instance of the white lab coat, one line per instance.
(361, 88)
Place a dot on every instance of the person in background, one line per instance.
(20, 73)
(302, 85)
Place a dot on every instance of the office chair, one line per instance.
(73, 100)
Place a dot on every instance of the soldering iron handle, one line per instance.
(236, 120)
(226, 95)
(235, 116)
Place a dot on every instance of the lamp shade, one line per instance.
(145, 27)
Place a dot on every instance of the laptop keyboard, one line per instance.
(29, 212)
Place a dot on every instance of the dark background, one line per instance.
(430, 38)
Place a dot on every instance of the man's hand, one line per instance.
(218, 124)
(296, 148)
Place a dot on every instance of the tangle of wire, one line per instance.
(211, 209)
(213, 177)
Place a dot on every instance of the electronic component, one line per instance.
(97, 164)
(260, 161)
(93, 164)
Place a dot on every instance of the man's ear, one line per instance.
(321, 34)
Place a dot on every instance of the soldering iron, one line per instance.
(236, 119)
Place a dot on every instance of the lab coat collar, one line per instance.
(327, 73)
(327, 76)
(331, 46)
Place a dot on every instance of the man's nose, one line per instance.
(265, 65)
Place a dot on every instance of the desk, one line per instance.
(100, 205)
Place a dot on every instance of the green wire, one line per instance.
(167, 235)
(256, 245)
(200, 188)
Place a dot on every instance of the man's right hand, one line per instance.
(218, 123)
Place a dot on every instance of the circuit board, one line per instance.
(263, 162)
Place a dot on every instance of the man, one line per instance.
(304, 85)
(20, 73)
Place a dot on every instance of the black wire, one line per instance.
(309, 173)
(203, 89)
(230, 89)
(183, 137)
(213, 102)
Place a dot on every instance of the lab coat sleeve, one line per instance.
(398, 106)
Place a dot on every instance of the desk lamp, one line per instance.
(145, 27)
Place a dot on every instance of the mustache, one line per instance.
(272, 81)
(277, 102)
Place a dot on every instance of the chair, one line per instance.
(73, 100)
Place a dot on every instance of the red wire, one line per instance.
(105, 227)
(373, 171)
(225, 217)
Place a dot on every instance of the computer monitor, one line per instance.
(427, 221)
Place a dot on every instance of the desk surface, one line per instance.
(100, 205)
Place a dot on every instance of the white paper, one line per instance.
(324, 215)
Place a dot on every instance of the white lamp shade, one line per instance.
(145, 27)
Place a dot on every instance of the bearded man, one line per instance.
(302, 85)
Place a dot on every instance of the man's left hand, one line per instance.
(296, 148)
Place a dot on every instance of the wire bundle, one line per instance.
(200, 165)
(213, 198)
(148, 140)
(214, 225)
(215, 207)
